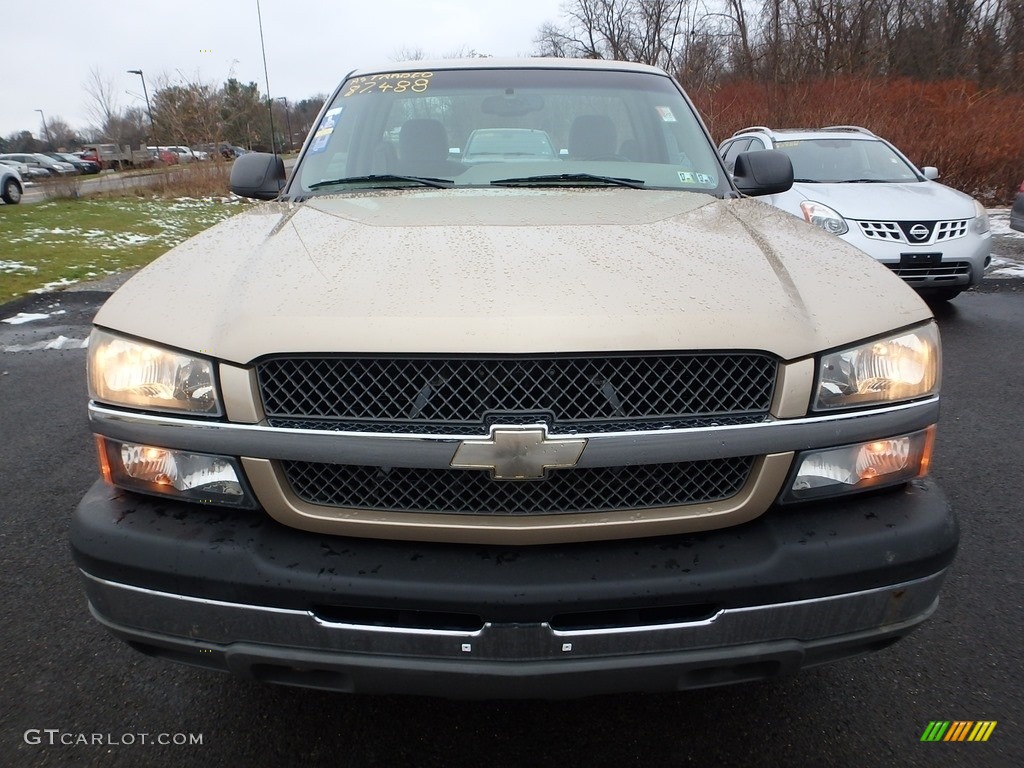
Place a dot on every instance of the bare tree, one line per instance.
(102, 106)
(790, 40)
(61, 134)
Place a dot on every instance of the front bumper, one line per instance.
(239, 592)
(958, 263)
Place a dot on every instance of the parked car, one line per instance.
(39, 160)
(857, 185)
(163, 156)
(81, 164)
(1017, 211)
(224, 150)
(508, 144)
(185, 154)
(20, 167)
(11, 185)
(29, 173)
(527, 429)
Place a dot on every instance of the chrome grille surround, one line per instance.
(464, 395)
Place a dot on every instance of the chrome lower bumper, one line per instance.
(200, 626)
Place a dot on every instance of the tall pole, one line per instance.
(149, 109)
(287, 120)
(46, 130)
(266, 77)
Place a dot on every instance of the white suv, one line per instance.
(856, 185)
(10, 184)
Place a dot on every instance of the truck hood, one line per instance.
(511, 271)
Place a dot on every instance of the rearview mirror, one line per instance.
(512, 104)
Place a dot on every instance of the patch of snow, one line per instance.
(54, 285)
(61, 342)
(1004, 268)
(24, 317)
(9, 267)
(999, 223)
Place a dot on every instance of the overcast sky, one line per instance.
(50, 47)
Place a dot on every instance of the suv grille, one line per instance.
(904, 231)
(474, 492)
(947, 270)
(465, 395)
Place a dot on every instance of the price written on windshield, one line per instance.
(393, 82)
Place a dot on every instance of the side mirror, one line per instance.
(258, 175)
(930, 172)
(763, 172)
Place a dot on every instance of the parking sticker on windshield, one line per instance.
(323, 133)
(391, 82)
(705, 180)
(666, 114)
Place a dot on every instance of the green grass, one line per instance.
(45, 245)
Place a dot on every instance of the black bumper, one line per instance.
(661, 597)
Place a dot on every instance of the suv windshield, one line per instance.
(846, 160)
(529, 127)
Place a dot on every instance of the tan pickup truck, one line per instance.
(573, 415)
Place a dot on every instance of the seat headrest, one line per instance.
(592, 136)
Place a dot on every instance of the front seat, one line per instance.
(423, 149)
(592, 137)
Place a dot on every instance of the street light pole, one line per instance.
(46, 130)
(287, 120)
(149, 109)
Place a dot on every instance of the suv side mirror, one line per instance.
(930, 172)
(258, 175)
(763, 172)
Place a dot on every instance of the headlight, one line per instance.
(822, 216)
(860, 467)
(181, 475)
(979, 224)
(126, 372)
(901, 367)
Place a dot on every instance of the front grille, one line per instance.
(465, 395)
(897, 231)
(946, 271)
(474, 492)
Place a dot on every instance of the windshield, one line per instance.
(509, 127)
(846, 160)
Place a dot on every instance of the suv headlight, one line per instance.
(979, 225)
(132, 373)
(903, 366)
(822, 216)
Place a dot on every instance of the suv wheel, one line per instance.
(11, 192)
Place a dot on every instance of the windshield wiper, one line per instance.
(569, 178)
(805, 181)
(864, 181)
(424, 181)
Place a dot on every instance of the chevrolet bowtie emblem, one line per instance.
(519, 453)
